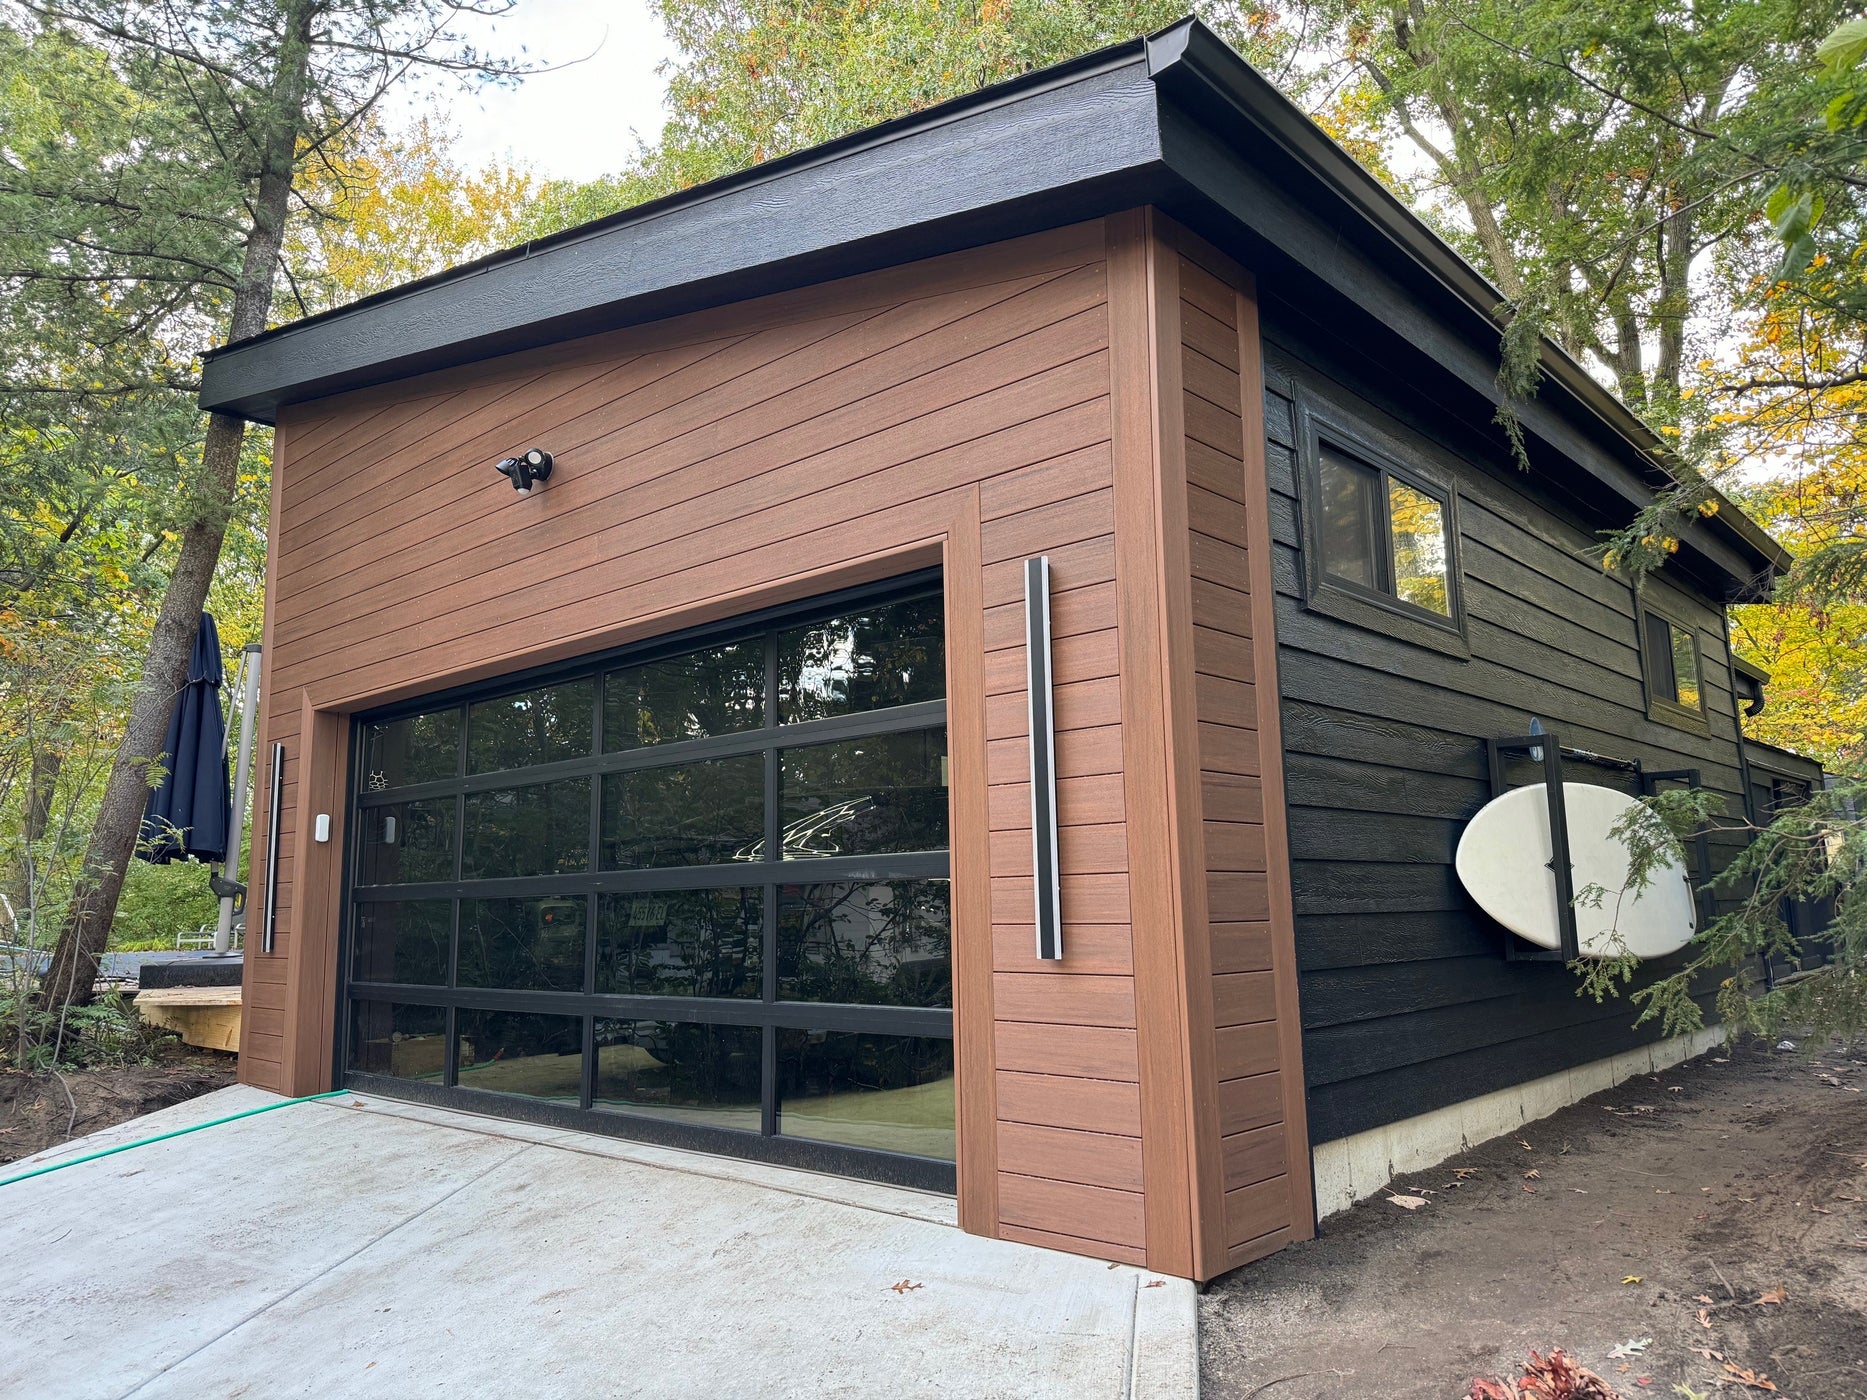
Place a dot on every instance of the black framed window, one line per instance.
(1675, 669)
(1381, 535)
(696, 891)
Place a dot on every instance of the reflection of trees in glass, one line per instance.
(881, 943)
(1685, 667)
(825, 1078)
(717, 691)
(680, 1065)
(865, 796)
(702, 943)
(894, 654)
(540, 829)
(407, 842)
(1419, 533)
(539, 726)
(522, 943)
(685, 814)
(402, 941)
(418, 749)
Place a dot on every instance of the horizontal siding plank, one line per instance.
(1092, 1052)
(1066, 1207)
(1053, 1101)
(1062, 1154)
(1072, 1001)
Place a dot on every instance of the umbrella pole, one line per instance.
(243, 768)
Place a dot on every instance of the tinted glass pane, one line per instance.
(522, 943)
(682, 943)
(866, 796)
(1685, 667)
(1422, 569)
(717, 691)
(890, 1092)
(409, 1042)
(894, 654)
(540, 726)
(691, 814)
(511, 1052)
(885, 942)
(406, 842)
(543, 829)
(1347, 516)
(1660, 656)
(680, 1071)
(418, 749)
(402, 941)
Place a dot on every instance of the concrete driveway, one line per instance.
(359, 1246)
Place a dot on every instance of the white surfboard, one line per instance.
(1503, 860)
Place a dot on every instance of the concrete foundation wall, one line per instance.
(1354, 1168)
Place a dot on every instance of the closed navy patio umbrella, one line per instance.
(189, 814)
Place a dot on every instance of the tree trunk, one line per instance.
(276, 123)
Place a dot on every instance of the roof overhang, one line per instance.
(1177, 119)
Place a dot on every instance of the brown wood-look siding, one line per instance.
(968, 411)
(1264, 1180)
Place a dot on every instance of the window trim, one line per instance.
(1353, 603)
(768, 1012)
(1663, 708)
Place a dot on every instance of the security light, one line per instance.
(526, 469)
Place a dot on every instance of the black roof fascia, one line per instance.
(1227, 99)
(1178, 114)
(1051, 148)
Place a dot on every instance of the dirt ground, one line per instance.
(1718, 1209)
(36, 1114)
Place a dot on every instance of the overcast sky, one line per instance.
(575, 122)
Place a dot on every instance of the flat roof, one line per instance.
(1176, 119)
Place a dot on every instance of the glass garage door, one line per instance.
(696, 893)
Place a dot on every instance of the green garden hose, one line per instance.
(164, 1137)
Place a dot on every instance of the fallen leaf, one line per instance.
(1114, 1266)
(1408, 1202)
(1675, 1089)
(1643, 1380)
(1462, 1172)
(1704, 1298)
(1631, 1278)
(1157, 1283)
(1707, 1353)
(1533, 1175)
(1777, 1295)
(1633, 1346)
(1529, 1188)
(904, 1286)
(1821, 1210)
(1704, 1318)
(1525, 1146)
(1743, 1375)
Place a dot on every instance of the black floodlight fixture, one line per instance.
(527, 469)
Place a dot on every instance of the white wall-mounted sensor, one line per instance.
(321, 828)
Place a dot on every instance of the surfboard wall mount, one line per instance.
(1542, 747)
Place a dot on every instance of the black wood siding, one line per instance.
(1408, 1002)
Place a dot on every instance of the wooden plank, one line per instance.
(1241, 947)
(1085, 1000)
(1235, 846)
(1063, 1154)
(1156, 626)
(1099, 949)
(1081, 753)
(1091, 1105)
(1243, 997)
(1066, 1207)
(1247, 1050)
(1087, 899)
(1081, 850)
(1072, 613)
(1253, 1157)
(1083, 705)
(1090, 1052)
(975, 1090)
(1253, 1102)
(1260, 1208)
(1088, 657)
(1080, 802)
(1299, 1209)
(1069, 1244)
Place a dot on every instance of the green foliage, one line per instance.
(160, 901)
(1811, 853)
(105, 1034)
